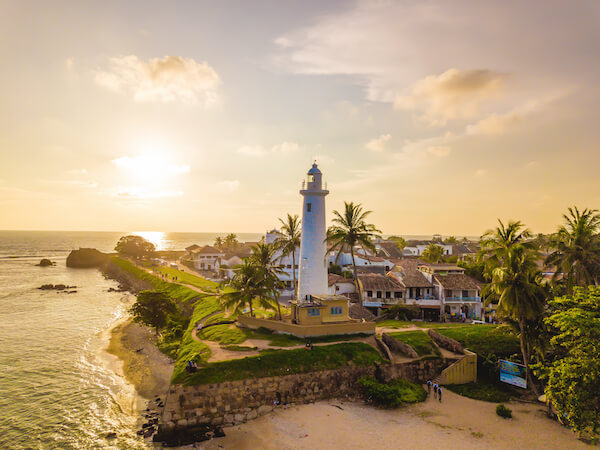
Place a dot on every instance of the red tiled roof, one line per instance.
(376, 282)
(457, 281)
(334, 278)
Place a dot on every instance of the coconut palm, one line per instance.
(576, 247)
(349, 230)
(516, 284)
(433, 253)
(246, 287)
(289, 242)
(264, 257)
(496, 243)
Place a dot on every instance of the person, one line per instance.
(429, 383)
(440, 394)
(308, 345)
(435, 390)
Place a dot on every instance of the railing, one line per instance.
(462, 299)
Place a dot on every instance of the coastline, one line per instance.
(142, 363)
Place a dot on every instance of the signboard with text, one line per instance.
(513, 373)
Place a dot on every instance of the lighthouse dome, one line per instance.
(314, 169)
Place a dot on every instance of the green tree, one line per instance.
(573, 378)
(350, 229)
(231, 241)
(247, 286)
(289, 242)
(516, 283)
(219, 243)
(399, 241)
(135, 246)
(576, 247)
(451, 240)
(154, 308)
(433, 253)
(264, 256)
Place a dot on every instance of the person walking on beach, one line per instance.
(429, 387)
(435, 390)
(440, 394)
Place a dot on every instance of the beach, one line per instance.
(142, 363)
(458, 422)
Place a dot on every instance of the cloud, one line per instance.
(167, 79)
(378, 144)
(455, 94)
(82, 171)
(137, 193)
(230, 185)
(439, 150)
(324, 159)
(258, 151)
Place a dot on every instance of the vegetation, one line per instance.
(572, 374)
(577, 249)
(135, 247)
(351, 229)
(245, 287)
(393, 394)
(484, 339)
(188, 278)
(399, 241)
(503, 411)
(269, 273)
(155, 309)
(289, 242)
(419, 341)
(482, 390)
(433, 253)
(282, 362)
(228, 243)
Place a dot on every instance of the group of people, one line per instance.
(191, 367)
(437, 390)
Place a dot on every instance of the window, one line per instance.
(398, 294)
(465, 294)
(311, 178)
(369, 293)
(289, 266)
(388, 294)
(336, 310)
(378, 294)
(313, 312)
(308, 207)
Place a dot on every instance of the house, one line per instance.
(380, 291)
(459, 294)
(339, 285)
(206, 258)
(285, 263)
(189, 250)
(388, 249)
(418, 249)
(320, 309)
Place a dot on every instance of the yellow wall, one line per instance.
(461, 372)
(325, 315)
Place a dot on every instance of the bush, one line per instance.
(393, 394)
(503, 411)
(481, 390)
(419, 341)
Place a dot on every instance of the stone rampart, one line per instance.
(397, 346)
(446, 342)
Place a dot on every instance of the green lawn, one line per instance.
(486, 391)
(406, 324)
(419, 340)
(188, 278)
(485, 339)
(282, 362)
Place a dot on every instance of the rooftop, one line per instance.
(457, 281)
(377, 282)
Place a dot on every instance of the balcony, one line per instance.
(462, 299)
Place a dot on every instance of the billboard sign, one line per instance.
(513, 373)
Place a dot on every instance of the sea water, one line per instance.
(58, 387)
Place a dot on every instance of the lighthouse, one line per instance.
(312, 276)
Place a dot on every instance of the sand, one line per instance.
(457, 423)
(143, 365)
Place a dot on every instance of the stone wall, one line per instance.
(446, 342)
(397, 346)
(235, 402)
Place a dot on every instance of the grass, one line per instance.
(418, 340)
(188, 278)
(485, 339)
(239, 348)
(393, 394)
(488, 392)
(407, 324)
(282, 362)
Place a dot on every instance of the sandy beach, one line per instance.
(458, 422)
(143, 365)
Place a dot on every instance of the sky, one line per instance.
(438, 116)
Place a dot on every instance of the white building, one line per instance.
(285, 263)
(418, 249)
(312, 276)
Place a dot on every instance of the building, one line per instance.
(320, 310)
(288, 263)
(380, 291)
(206, 258)
(339, 285)
(312, 276)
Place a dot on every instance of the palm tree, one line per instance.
(246, 287)
(350, 229)
(289, 242)
(219, 243)
(496, 243)
(577, 248)
(516, 283)
(433, 253)
(264, 258)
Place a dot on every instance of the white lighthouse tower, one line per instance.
(312, 276)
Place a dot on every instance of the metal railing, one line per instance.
(462, 299)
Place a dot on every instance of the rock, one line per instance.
(229, 418)
(240, 418)
(46, 263)
(86, 258)
(111, 435)
(56, 287)
(219, 432)
(264, 409)
(252, 414)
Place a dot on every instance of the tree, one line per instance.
(246, 287)
(433, 253)
(516, 283)
(154, 308)
(135, 246)
(573, 378)
(451, 240)
(576, 247)
(231, 241)
(351, 229)
(264, 257)
(399, 241)
(219, 243)
(289, 242)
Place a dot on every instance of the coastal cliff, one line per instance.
(85, 258)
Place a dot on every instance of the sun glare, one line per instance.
(158, 238)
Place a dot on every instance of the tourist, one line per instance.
(435, 390)
(429, 383)
(440, 394)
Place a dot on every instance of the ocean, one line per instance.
(58, 387)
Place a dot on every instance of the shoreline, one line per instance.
(142, 363)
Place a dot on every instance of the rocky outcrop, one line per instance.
(397, 346)
(446, 342)
(86, 257)
(46, 263)
(56, 287)
(127, 281)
